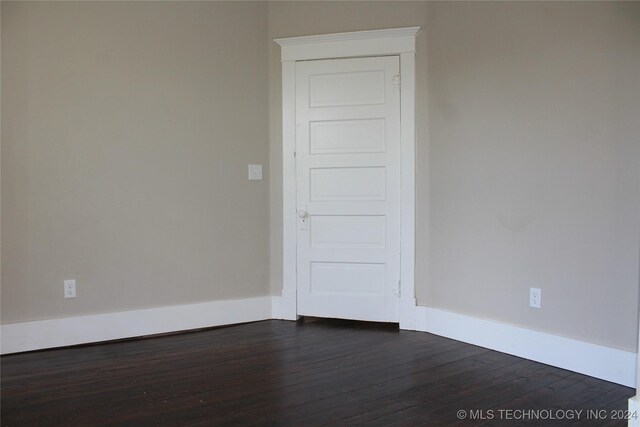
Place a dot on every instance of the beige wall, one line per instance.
(535, 153)
(127, 130)
(527, 156)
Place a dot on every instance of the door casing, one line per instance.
(396, 41)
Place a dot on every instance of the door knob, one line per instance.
(302, 213)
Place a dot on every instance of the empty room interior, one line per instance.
(319, 213)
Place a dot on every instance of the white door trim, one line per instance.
(395, 41)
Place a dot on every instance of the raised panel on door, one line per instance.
(336, 88)
(348, 231)
(342, 278)
(347, 136)
(348, 185)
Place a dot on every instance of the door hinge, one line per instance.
(396, 81)
(397, 289)
(294, 154)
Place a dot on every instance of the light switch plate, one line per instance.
(255, 172)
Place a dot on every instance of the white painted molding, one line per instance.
(289, 228)
(276, 307)
(408, 314)
(348, 36)
(590, 359)
(634, 410)
(281, 307)
(407, 180)
(289, 301)
(40, 334)
(341, 45)
(598, 361)
(394, 41)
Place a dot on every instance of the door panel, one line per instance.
(341, 278)
(346, 88)
(348, 188)
(347, 136)
(348, 184)
(348, 231)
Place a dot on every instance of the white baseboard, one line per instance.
(276, 307)
(590, 359)
(634, 411)
(598, 361)
(284, 307)
(408, 314)
(35, 335)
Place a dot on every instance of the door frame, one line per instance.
(394, 41)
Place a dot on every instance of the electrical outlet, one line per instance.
(535, 297)
(69, 288)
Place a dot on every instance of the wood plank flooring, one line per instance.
(310, 373)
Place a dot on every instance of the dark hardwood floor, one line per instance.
(316, 372)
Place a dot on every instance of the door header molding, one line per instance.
(394, 41)
(391, 41)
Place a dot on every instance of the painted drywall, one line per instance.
(535, 152)
(528, 151)
(127, 131)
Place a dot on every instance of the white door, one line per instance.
(348, 188)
